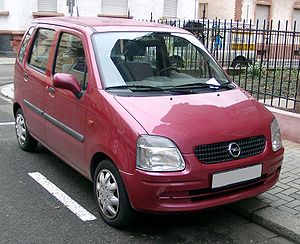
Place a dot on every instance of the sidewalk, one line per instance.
(7, 92)
(277, 209)
(4, 61)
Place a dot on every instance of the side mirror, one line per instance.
(67, 82)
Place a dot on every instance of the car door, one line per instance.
(36, 74)
(66, 122)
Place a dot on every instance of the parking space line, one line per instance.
(7, 123)
(72, 205)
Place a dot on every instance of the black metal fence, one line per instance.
(262, 57)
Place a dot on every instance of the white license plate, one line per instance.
(236, 176)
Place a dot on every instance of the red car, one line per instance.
(145, 112)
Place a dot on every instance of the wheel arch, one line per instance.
(16, 106)
(95, 161)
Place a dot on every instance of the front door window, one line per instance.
(71, 59)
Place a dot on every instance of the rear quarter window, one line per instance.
(41, 48)
(24, 45)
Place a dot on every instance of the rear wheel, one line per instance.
(111, 196)
(25, 140)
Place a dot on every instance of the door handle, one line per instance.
(25, 77)
(50, 89)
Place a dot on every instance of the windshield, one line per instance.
(155, 60)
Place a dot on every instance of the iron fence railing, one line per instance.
(262, 57)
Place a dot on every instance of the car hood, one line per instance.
(197, 119)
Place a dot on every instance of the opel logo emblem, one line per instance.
(234, 149)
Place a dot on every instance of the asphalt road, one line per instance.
(30, 214)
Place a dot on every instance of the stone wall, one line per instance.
(6, 49)
(297, 108)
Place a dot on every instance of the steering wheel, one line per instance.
(169, 68)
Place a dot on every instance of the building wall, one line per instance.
(279, 11)
(187, 9)
(5, 47)
(19, 15)
(282, 14)
(220, 9)
(86, 7)
(248, 10)
(21, 12)
(142, 9)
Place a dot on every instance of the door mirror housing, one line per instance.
(67, 82)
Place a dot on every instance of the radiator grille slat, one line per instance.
(218, 152)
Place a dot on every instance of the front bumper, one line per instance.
(190, 190)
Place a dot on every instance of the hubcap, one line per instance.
(21, 129)
(107, 193)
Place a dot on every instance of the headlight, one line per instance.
(155, 153)
(275, 136)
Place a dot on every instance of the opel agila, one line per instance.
(145, 112)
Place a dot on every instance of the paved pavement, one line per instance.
(277, 209)
(4, 61)
(286, 194)
(7, 92)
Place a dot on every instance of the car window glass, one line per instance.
(134, 60)
(24, 45)
(155, 59)
(41, 48)
(186, 57)
(70, 58)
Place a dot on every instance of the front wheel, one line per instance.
(111, 196)
(25, 140)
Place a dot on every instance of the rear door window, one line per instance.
(70, 58)
(41, 48)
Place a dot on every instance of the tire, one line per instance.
(238, 66)
(25, 140)
(239, 62)
(111, 196)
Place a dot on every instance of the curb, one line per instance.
(269, 217)
(6, 92)
(288, 123)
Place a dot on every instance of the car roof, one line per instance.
(105, 24)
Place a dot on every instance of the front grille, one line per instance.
(218, 152)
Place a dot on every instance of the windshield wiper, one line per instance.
(181, 91)
(227, 85)
(151, 88)
(136, 88)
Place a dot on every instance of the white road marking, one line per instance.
(78, 210)
(7, 123)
